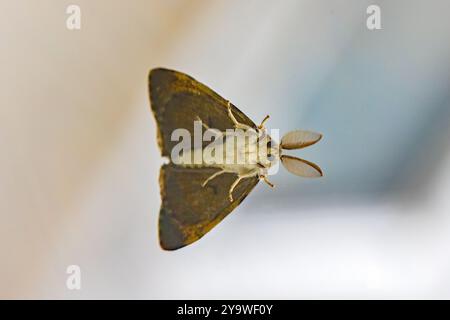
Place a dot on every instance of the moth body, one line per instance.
(246, 152)
(253, 155)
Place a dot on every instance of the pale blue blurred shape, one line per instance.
(381, 107)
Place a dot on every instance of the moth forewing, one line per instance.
(299, 139)
(301, 167)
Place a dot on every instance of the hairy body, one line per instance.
(244, 151)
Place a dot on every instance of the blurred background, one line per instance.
(79, 162)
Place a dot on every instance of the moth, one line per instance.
(197, 196)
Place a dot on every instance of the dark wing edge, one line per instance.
(187, 216)
(164, 84)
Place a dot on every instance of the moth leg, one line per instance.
(263, 177)
(215, 174)
(236, 182)
(236, 123)
(261, 126)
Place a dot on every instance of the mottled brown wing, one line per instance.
(188, 210)
(177, 100)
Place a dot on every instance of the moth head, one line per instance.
(297, 140)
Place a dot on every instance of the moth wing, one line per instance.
(177, 100)
(301, 167)
(188, 210)
(299, 139)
